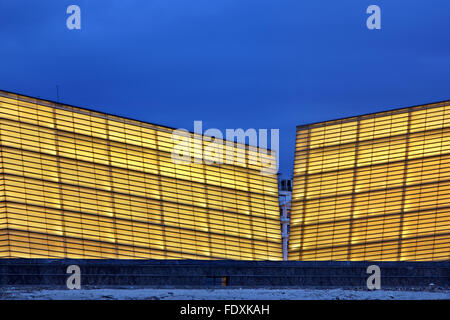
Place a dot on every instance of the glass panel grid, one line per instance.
(373, 187)
(75, 183)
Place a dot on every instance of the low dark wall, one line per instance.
(200, 273)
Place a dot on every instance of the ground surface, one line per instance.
(220, 294)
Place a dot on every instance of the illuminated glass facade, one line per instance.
(76, 183)
(373, 187)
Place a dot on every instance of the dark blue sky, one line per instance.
(231, 63)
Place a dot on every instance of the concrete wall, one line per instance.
(199, 273)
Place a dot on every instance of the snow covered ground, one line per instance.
(220, 294)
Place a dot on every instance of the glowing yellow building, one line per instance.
(373, 187)
(76, 183)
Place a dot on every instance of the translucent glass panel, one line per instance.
(374, 187)
(80, 184)
(71, 123)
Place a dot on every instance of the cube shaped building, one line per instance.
(373, 187)
(76, 183)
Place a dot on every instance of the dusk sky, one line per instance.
(230, 63)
